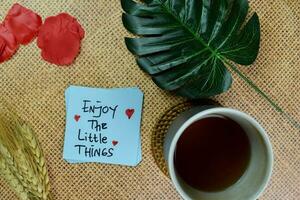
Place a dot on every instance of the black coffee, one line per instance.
(212, 153)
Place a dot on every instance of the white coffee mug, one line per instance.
(254, 180)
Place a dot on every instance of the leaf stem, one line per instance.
(263, 94)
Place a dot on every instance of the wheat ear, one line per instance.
(13, 180)
(23, 157)
(17, 158)
(38, 158)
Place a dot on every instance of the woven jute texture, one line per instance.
(36, 89)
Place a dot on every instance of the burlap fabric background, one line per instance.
(36, 89)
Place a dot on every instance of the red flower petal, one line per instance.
(8, 44)
(59, 38)
(23, 23)
(2, 45)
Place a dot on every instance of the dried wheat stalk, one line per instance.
(13, 181)
(22, 162)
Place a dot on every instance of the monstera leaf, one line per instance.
(185, 45)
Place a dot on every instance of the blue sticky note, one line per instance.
(103, 125)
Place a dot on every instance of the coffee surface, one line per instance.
(212, 153)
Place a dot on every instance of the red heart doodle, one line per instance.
(129, 113)
(114, 142)
(77, 117)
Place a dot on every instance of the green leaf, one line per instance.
(184, 44)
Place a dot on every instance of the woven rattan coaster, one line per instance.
(162, 127)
